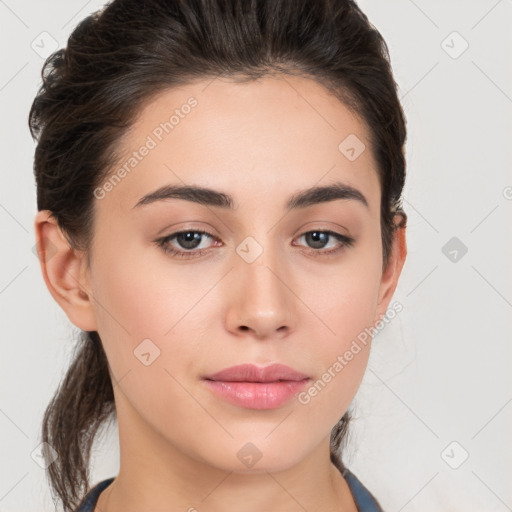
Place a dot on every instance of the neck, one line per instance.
(156, 475)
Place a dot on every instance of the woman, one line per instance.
(219, 192)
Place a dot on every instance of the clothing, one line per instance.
(365, 501)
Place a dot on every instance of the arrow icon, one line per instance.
(249, 254)
(351, 147)
(249, 455)
(454, 249)
(454, 45)
(146, 352)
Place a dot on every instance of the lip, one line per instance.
(253, 387)
(252, 373)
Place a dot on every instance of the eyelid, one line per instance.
(305, 229)
(164, 243)
(344, 241)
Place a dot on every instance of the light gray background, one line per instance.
(440, 372)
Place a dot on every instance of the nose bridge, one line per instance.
(261, 300)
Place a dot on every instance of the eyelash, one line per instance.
(163, 243)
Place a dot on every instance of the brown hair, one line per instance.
(115, 61)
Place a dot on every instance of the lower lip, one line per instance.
(257, 395)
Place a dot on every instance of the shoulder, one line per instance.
(89, 501)
(365, 501)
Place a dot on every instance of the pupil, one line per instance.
(316, 237)
(191, 240)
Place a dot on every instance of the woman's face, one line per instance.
(259, 288)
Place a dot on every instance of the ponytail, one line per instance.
(82, 402)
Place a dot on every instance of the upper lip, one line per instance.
(253, 373)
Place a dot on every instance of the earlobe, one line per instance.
(396, 262)
(63, 268)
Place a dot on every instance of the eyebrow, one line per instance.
(210, 197)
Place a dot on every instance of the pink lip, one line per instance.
(253, 387)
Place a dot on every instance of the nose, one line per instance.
(261, 302)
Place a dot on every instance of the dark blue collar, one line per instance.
(365, 501)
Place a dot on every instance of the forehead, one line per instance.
(276, 134)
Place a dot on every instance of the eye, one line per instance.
(318, 239)
(191, 240)
(188, 239)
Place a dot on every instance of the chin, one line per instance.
(254, 458)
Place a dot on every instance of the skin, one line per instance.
(260, 142)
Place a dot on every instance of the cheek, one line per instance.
(345, 307)
(139, 293)
(344, 297)
(147, 334)
(146, 305)
(334, 387)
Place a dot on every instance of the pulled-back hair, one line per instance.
(116, 60)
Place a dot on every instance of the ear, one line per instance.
(64, 271)
(396, 262)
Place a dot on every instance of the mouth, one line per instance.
(252, 373)
(252, 387)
